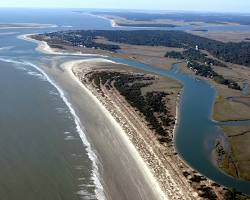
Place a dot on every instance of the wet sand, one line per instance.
(124, 174)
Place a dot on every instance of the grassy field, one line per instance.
(239, 138)
(221, 36)
(231, 109)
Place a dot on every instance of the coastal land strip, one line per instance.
(24, 25)
(137, 20)
(199, 184)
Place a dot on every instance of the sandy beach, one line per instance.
(44, 48)
(142, 138)
(125, 175)
(112, 21)
(25, 26)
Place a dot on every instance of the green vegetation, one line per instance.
(236, 109)
(202, 65)
(145, 25)
(214, 18)
(192, 54)
(232, 194)
(239, 138)
(207, 71)
(175, 55)
(237, 53)
(58, 39)
(199, 62)
(226, 160)
(152, 105)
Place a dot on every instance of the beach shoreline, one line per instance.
(26, 26)
(43, 47)
(112, 21)
(134, 152)
(95, 173)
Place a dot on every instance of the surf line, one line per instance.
(99, 190)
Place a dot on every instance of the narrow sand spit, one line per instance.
(44, 48)
(112, 21)
(142, 150)
(148, 175)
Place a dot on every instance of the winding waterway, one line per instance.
(196, 131)
(27, 99)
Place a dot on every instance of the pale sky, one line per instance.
(189, 5)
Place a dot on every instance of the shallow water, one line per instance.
(42, 155)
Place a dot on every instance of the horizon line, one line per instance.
(133, 9)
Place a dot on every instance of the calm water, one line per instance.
(196, 132)
(42, 155)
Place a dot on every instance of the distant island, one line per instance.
(24, 25)
(146, 25)
(200, 30)
(184, 18)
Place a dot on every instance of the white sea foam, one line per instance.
(80, 167)
(32, 73)
(53, 93)
(86, 185)
(6, 48)
(86, 195)
(9, 33)
(37, 75)
(65, 26)
(99, 190)
(26, 26)
(61, 110)
(11, 61)
(21, 68)
(69, 137)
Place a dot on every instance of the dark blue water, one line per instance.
(195, 136)
(196, 132)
